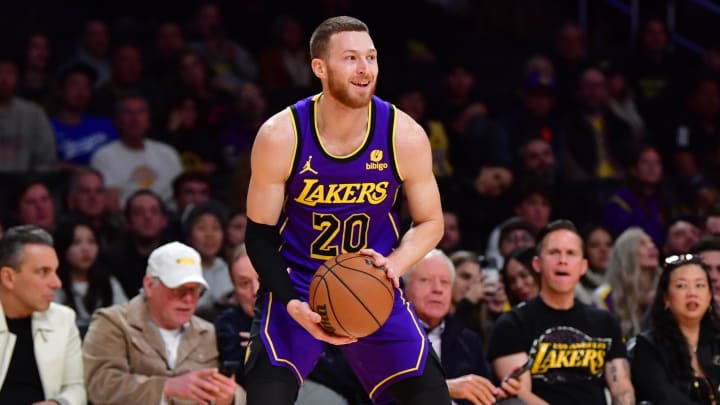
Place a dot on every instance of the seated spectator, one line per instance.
(237, 133)
(631, 279)
(134, 162)
(169, 44)
(452, 235)
(41, 344)
(86, 280)
(78, 135)
(27, 139)
(674, 360)
(86, 200)
(521, 281)
(203, 229)
(537, 158)
(32, 204)
(145, 220)
(234, 233)
(188, 188)
(711, 225)
(621, 100)
(285, 64)
(153, 349)
(515, 233)
(598, 243)
(682, 234)
(641, 201)
(428, 286)
(92, 49)
(36, 81)
(554, 325)
(233, 324)
(709, 251)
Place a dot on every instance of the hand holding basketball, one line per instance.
(384, 262)
(302, 314)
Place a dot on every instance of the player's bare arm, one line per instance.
(617, 376)
(414, 161)
(505, 365)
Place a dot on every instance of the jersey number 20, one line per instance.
(353, 229)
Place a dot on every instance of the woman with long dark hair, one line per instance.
(86, 284)
(675, 360)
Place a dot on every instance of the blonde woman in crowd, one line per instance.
(632, 275)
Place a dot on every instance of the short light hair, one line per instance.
(321, 36)
(434, 252)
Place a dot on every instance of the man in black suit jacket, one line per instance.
(428, 285)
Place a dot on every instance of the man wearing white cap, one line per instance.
(152, 350)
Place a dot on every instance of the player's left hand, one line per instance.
(381, 261)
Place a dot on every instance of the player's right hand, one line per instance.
(476, 389)
(300, 311)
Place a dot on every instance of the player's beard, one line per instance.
(339, 89)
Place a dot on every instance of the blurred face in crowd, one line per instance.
(538, 155)
(76, 92)
(467, 273)
(688, 296)
(460, 81)
(192, 192)
(127, 65)
(705, 100)
(208, 18)
(251, 105)
(291, 33)
(146, 218)
(712, 259)
(712, 225)
(680, 237)
(170, 40)
(171, 308)
(206, 236)
(616, 85)
(514, 239)
(570, 44)
(560, 263)
(235, 233)
(521, 283)
(539, 103)
(413, 103)
(492, 181)
(647, 253)
(428, 288)
(246, 282)
(133, 120)
(36, 207)
(96, 39)
(598, 247)
(31, 287)
(350, 68)
(8, 80)
(536, 209)
(655, 38)
(88, 196)
(38, 51)
(593, 91)
(451, 236)
(83, 251)
(192, 71)
(648, 168)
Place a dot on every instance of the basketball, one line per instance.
(352, 295)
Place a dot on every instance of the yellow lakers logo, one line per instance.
(376, 156)
(345, 193)
(307, 168)
(587, 355)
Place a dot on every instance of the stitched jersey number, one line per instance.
(354, 235)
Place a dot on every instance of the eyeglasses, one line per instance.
(195, 291)
(678, 260)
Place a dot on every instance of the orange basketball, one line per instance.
(353, 297)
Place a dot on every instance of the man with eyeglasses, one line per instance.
(153, 350)
(709, 250)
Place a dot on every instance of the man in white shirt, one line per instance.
(134, 162)
(152, 350)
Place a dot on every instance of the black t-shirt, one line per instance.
(22, 383)
(569, 349)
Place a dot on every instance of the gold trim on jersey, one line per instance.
(316, 99)
(406, 304)
(297, 142)
(272, 346)
(393, 127)
(394, 225)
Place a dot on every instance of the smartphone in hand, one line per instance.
(520, 371)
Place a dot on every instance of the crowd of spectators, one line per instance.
(136, 133)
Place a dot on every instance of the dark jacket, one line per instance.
(652, 374)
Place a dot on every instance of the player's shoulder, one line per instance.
(406, 125)
(278, 128)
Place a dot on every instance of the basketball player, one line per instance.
(325, 175)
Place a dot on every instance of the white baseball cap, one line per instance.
(176, 264)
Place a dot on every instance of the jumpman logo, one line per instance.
(307, 167)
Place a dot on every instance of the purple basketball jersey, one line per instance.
(334, 205)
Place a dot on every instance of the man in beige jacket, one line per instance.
(152, 350)
(40, 359)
